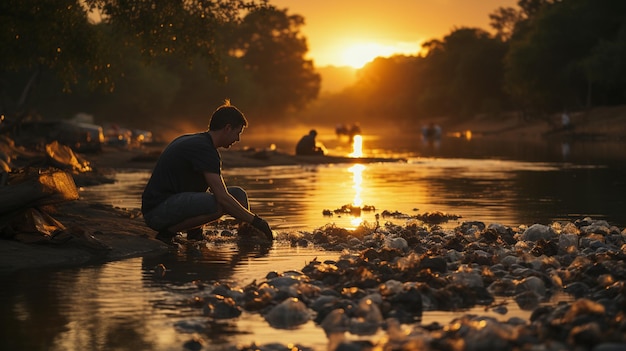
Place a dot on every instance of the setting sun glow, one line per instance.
(353, 33)
(359, 54)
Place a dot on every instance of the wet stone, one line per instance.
(536, 232)
(288, 314)
(408, 270)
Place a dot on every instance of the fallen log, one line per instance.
(33, 190)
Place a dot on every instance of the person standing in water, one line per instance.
(186, 189)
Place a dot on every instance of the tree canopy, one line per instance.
(543, 56)
(162, 62)
(148, 60)
(569, 54)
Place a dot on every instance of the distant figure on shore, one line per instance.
(308, 146)
(431, 132)
(565, 121)
(349, 131)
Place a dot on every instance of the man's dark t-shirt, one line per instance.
(180, 169)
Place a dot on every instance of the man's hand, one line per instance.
(262, 225)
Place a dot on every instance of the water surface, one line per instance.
(125, 306)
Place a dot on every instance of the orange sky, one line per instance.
(350, 32)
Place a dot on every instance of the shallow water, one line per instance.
(125, 306)
(493, 191)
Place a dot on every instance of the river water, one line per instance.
(126, 306)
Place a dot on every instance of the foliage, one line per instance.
(459, 76)
(504, 20)
(159, 62)
(272, 51)
(46, 34)
(545, 56)
(163, 62)
(158, 28)
(558, 60)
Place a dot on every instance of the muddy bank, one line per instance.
(98, 234)
(598, 124)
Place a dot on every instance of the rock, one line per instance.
(220, 307)
(536, 232)
(568, 243)
(396, 243)
(533, 284)
(335, 322)
(527, 300)
(289, 314)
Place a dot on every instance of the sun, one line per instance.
(358, 55)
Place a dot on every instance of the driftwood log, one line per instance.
(44, 188)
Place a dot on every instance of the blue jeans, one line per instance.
(182, 206)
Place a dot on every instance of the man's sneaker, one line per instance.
(195, 234)
(166, 237)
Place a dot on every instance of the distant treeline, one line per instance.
(149, 63)
(545, 57)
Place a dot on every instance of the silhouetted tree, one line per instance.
(462, 75)
(38, 35)
(271, 48)
(384, 87)
(557, 58)
(56, 35)
(504, 20)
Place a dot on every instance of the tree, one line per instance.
(57, 35)
(605, 69)
(462, 75)
(383, 87)
(504, 20)
(46, 34)
(271, 49)
(554, 61)
(159, 28)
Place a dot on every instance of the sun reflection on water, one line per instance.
(357, 146)
(357, 180)
(357, 185)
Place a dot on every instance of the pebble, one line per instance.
(387, 276)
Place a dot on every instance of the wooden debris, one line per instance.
(47, 187)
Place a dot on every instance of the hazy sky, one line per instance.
(352, 32)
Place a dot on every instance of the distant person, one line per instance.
(186, 189)
(431, 132)
(341, 129)
(565, 121)
(308, 146)
(355, 130)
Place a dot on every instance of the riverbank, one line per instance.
(106, 233)
(601, 123)
(145, 157)
(94, 234)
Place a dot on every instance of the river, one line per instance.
(125, 306)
